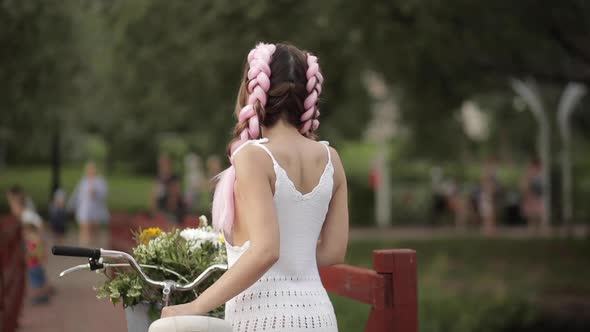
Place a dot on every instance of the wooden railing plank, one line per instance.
(359, 284)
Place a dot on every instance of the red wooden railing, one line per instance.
(390, 289)
(12, 273)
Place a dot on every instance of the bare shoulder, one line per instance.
(252, 160)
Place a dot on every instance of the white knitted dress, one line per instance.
(290, 295)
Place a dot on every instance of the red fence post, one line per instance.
(400, 313)
(12, 273)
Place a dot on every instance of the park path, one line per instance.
(74, 308)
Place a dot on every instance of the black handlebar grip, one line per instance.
(76, 252)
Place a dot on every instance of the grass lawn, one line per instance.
(481, 285)
(126, 193)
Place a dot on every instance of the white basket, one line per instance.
(190, 324)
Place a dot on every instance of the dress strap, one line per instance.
(254, 141)
(327, 145)
(258, 143)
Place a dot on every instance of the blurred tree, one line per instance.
(129, 70)
(177, 66)
(442, 53)
(35, 78)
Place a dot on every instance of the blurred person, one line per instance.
(167, 192)
(193, 182)
(161, 183)
(282, 205)
(213, 169)
(439, 202)
(58, 215)
(531, 186)
(487, 199)
(175, 207)
(512, 210)
(36, 257)
(447, 196)
(456, 203)
(30, 203)
(89, 201)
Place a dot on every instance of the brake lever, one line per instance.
(74, 269)
(92, 265)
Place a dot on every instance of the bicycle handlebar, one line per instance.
(76, 252)
(102, 253)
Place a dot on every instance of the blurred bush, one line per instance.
(96, 148)
(490, 306)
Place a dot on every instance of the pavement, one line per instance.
(74, 307)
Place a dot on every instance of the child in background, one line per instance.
(58, 215)
(35, 251)
(36, 257)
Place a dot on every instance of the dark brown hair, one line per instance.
(286, 94)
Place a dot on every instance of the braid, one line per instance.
(296, 88)
(258, 75)
(314, 88)
(248, 127)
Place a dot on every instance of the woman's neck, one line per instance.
(281, 129)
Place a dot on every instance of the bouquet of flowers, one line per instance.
(188, 252)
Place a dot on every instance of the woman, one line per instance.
(193, 174)
(58, 216)
(488, 197)
(90, 203)
(288, 196)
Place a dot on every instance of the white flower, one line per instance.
(203, 220)
(196, 237)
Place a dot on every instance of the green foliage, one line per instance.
(129, 70)
(192, 80)
(96, 148)
(173, 145)
(501, 308)
(37, 70)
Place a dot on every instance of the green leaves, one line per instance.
(168, 250)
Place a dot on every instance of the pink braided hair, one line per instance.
(314, 88)
(259, 72)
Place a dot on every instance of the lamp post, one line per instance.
(528, 91)
(381, 129)
(572, 94)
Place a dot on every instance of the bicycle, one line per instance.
(170, 324)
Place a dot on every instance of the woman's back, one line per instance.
(290, 294)
(282, 204)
